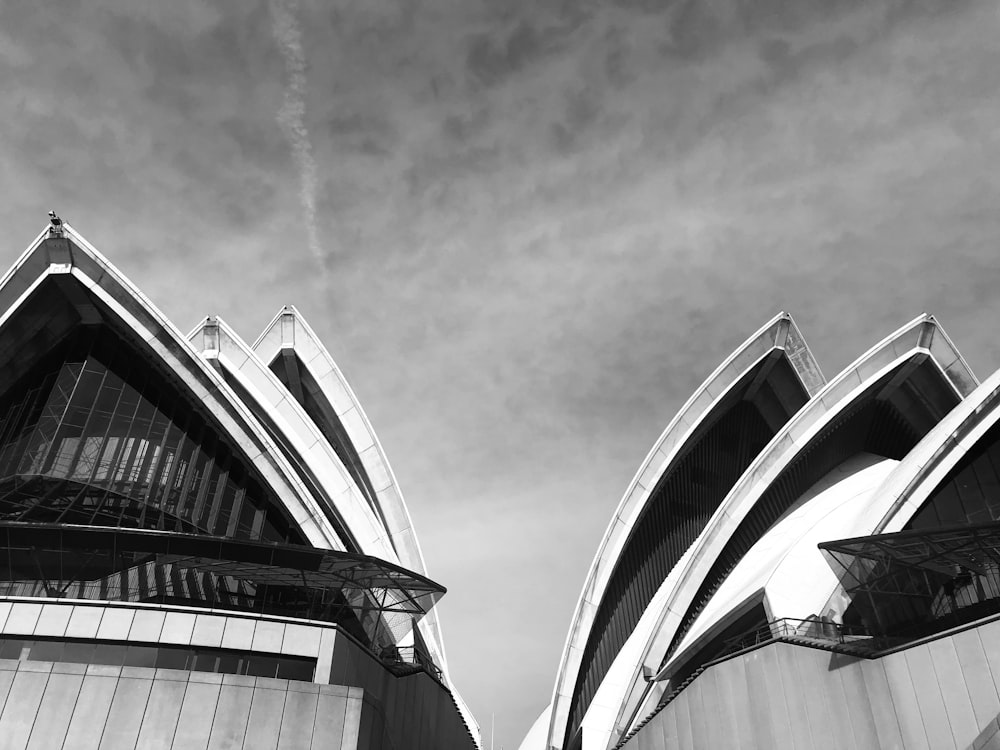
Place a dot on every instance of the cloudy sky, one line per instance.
(526, 230)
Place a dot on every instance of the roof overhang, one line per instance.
(382, 595)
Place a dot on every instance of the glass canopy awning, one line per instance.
(374, 600)
(917, 582)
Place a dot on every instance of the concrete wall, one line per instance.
(154, 623)
(78, 707)
(399, 713)
(48, 705)
(936, 695)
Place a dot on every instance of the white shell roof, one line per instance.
(785, 563)
(904, 491)
(72, 259)
(914, 341)
(289, 330)
(220, 343)
(780, 333)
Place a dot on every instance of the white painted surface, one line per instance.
(776, 334)
(786, 563)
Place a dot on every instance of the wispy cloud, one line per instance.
(292, 115)
(570, 213)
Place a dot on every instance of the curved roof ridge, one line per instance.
(912, 339)
(69, 254)
(413, 557)
(803, 519)
(960, 363)
(775, 335)
(918, 474)
(392, 506)
(361, 524)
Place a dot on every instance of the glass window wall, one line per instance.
(161, 657)
(970, 494)
(94, 435)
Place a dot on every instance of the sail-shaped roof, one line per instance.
(60, 284)
(679, 485)
(298, 436)
(883, 403)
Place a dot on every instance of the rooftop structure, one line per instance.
(791, 544)
(203, 544)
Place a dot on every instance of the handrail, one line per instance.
(820, 628)
(404, 660)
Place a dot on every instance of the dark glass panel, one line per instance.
(117, 445)
(262, 666)
(171, 658)
(248, 525)
(10, 648)
(970, 493)
(109, 653)
(204, 661)
(162, 657)
(47, 651)
(225, 507)
(231, 663)
(296, 669)
(78, 653)
(140, 656)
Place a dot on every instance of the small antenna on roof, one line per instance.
(55, 225)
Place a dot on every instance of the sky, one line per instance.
(526, 231)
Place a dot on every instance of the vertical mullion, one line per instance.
(46, 461)
(175, 466)
(237, 511)
(124, 447)
(219, 495)
(198, 441)
(199, 504)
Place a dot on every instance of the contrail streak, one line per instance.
(291, 116)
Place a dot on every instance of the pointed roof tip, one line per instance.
(55, 228)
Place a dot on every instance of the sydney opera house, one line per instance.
(800, 563)
(203, 545)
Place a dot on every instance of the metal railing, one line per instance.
(404, 660)
(815, 631)
(813, 628)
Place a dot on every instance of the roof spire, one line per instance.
(55, 225)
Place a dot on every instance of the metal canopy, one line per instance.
(916, 582)
(374, 599)
(946, 551)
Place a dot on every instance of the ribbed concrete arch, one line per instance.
(916, 477)
(785, 566)
(738, 377)
(318, 463)
(289, 335)
(90, 281)
(884, 368)
(535, 738)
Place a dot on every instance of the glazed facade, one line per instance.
(203, 544)
(800, 563)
